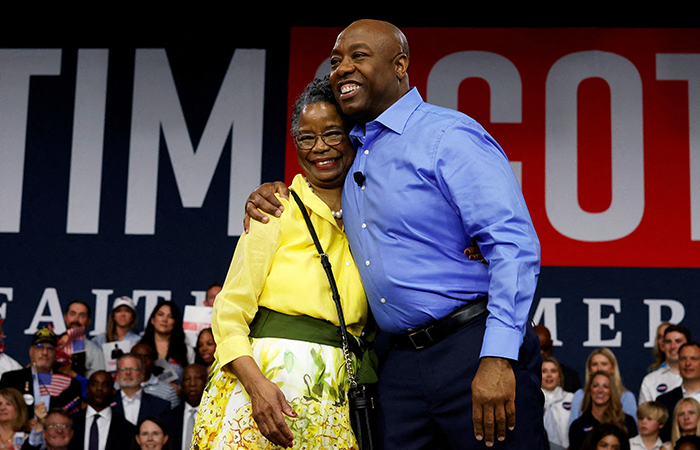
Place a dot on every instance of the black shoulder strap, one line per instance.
(326, 265)
(307, 219)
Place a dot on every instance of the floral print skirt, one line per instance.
(314, 381)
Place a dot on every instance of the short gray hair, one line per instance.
(131, 355)
(318, 91)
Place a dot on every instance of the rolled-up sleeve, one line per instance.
(237, 303)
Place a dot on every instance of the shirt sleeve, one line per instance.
(36, 438)
(576, 406)
(95, 359)
(237, 303)
(645, 390)
(478, 181)
(629, 405)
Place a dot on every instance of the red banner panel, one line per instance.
(602, 127)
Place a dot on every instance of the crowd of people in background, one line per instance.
(69, 400)
(601, 413)
(69, 397)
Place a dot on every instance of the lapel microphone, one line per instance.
(359, 178)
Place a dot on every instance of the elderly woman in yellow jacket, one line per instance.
(279, 377)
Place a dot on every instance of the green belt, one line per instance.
(273, 324)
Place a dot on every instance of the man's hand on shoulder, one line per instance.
(493, 399)
(263, 199)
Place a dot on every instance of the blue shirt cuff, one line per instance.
(501, 342)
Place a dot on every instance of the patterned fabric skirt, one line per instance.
(313, 379)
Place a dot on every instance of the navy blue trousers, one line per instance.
(424, 396)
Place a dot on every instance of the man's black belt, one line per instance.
(434, 332)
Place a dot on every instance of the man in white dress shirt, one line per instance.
(100, 391)
(181, 419)
(99, 427)
(131, 400)
(689, 362)
(130, 377)
(667, 377)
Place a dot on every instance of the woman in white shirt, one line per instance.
(557, 404)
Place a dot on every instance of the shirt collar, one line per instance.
(136, 396)
(35, 373)
(105, 413)
(554, 395)
(311, 200)
(396, 116)
(686, 393)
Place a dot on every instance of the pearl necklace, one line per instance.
(336, 214)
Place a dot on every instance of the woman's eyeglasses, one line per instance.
(308, 141)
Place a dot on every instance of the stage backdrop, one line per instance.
(124, 171)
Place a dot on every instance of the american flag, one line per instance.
(75, 343)
(58, 384)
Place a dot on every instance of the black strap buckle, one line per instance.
(421, 339)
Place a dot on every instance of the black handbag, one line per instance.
(360, 402)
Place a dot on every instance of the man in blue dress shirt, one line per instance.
(425, 181)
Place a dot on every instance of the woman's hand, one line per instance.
(267, 400)
(269, 408)
(263, 199)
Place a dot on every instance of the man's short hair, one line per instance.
(678, 329)
(654, 411)
(689, 344)
(80, 302)
(61, 412)
(109, 377)
(215, 284)
(132, 355)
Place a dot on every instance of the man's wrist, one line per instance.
(497, 360)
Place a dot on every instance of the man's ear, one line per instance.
(401, 65)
